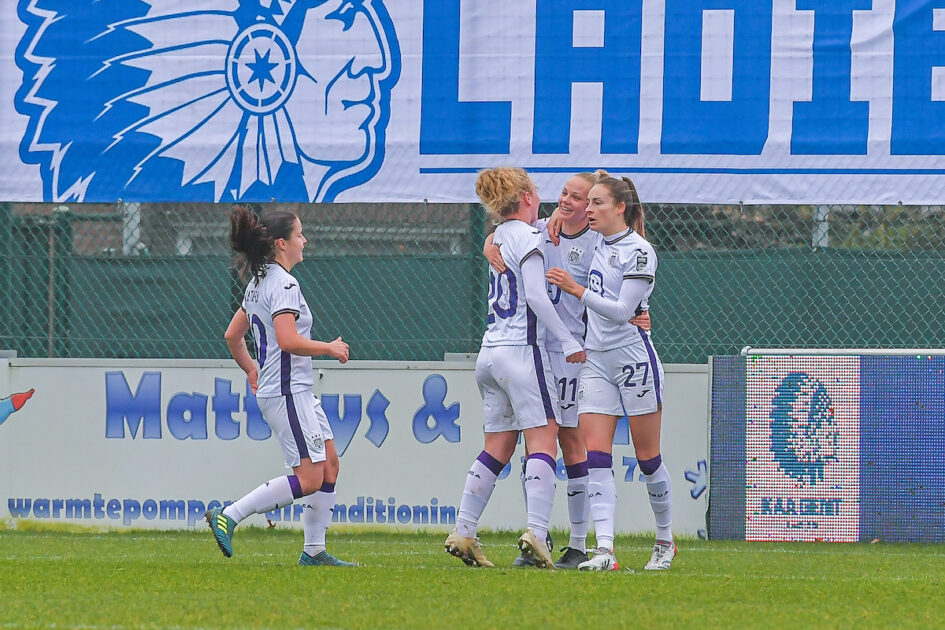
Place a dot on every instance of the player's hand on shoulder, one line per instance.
(577, 357)
(554, 227)
(339, 350)
(494, 256)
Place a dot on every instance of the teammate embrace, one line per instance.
(603, 246)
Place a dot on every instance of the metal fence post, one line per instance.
(6, 277)
(60, 248)
(820, 239)
(477, 275)
(130, 228)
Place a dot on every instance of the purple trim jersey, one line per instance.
(574, 255)
(510, 321)
(626, 255)
(280, 373)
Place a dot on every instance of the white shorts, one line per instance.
(517, 388)
(300, 424)
(626, 380)
(566, 385)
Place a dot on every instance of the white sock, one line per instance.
(578, 512)
(316, 517)
(480, 482)
(539, 493)
(521, 477)
(602, 495)
(273, 494)
(661, 500)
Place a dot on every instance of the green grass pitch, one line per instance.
(56, 578)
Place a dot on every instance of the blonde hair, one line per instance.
(590, 178)
(624, 191)
(500, 189)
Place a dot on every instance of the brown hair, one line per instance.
(623, 190)
(500, 189)
(254, 238)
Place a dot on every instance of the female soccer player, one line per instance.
(281, 377)
(623, 374)
(513, 371)
(573, 253)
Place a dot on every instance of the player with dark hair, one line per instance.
(623, 374)
(275, 311)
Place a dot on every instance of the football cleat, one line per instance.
(222, 527)
(526, 561)
(536, 550)
(323, 559)
(523, 561)
(603, 560)
(466, 549)
(571, 559)
(663, 554)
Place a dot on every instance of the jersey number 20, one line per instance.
(503, 295)
(259, 336)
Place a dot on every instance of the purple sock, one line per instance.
(577, 470)
(650, 466)
(599, 459)
(490, 462)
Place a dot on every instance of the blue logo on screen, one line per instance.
(804, 430)
(218, 100)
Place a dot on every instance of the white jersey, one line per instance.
(574, 255)
(624, 255)
(280, 373)
(511, 322)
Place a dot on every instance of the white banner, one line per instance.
(153, 444)
(787, 101)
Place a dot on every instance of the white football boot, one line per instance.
(602, 560)
(662, 558)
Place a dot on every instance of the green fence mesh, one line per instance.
(408, 282)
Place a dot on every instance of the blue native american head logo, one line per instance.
(804, 430)
(195, 100)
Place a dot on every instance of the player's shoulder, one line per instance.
(633, 242)
(519, 229)
(519, 235)
(586, 237)
(277, 279)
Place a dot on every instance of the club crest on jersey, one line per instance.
(210, 100)
(575, 254)
(613, 261)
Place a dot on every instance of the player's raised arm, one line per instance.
(289, 339)
(537, 298)
(493, 254)
(632, 292)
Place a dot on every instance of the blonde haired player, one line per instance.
(623, 373)
(573, 252)
(513, 371)
(275, 311)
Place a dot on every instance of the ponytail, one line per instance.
(253, 238)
